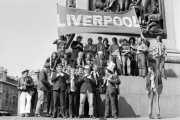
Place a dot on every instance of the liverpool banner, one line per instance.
(71, 20)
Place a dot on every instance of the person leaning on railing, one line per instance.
(141, 56)
(115, 52)
(160, 53)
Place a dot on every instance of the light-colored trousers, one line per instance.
(90, 101)
(25, 102)
(41, 102)
(154, 96)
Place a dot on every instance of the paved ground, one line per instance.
(35, 118)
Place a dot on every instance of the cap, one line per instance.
(37, 71)
(26, 70)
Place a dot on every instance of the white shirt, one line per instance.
(72, 84)
(152, 81)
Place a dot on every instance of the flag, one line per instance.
(72, 21)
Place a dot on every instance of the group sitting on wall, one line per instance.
(67, 79)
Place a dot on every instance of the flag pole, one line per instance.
(57, 19)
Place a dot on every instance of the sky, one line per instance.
(27, 30)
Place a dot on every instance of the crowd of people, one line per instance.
(67, 79)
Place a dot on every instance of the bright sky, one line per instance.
(27, 29)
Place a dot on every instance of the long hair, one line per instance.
(105, 39)
(132, 38)
(160, 38)
(115, 40)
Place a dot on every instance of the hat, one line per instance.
(79, 37)
(111, 67)
(37, 71)
(26, 70)
(100, 52)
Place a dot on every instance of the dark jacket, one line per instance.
(69, 84)
(27, 84)
(43, 83)
(98, 81)
(113, 85)
(76, 50)
(59, 81)
(86, 85)
(157, 81)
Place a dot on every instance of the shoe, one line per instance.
(22, 115)
(106, 116)
(164, 77)
(63, 116)
(115, 117)
(38, 115)
(80, 116)
(151, 117)
(70, 116)
(46, 115)
(158, 116)
(92, 116)
(27, 115)
(54, 116)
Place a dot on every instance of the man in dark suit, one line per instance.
(76, 46)
(110, 82)
(59, 87)
(86, 81)
(43, 87)
(154, 87)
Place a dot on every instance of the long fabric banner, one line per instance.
(72, 20)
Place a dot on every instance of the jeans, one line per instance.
(151, 98)
(90, 101)
(126, 61)
(42, 101)
(110, 98)
(160, 61)
(73, 108)
(141, 64)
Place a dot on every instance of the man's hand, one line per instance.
(61, 74)
(89, 77)
(58, 75)
(20, 88)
